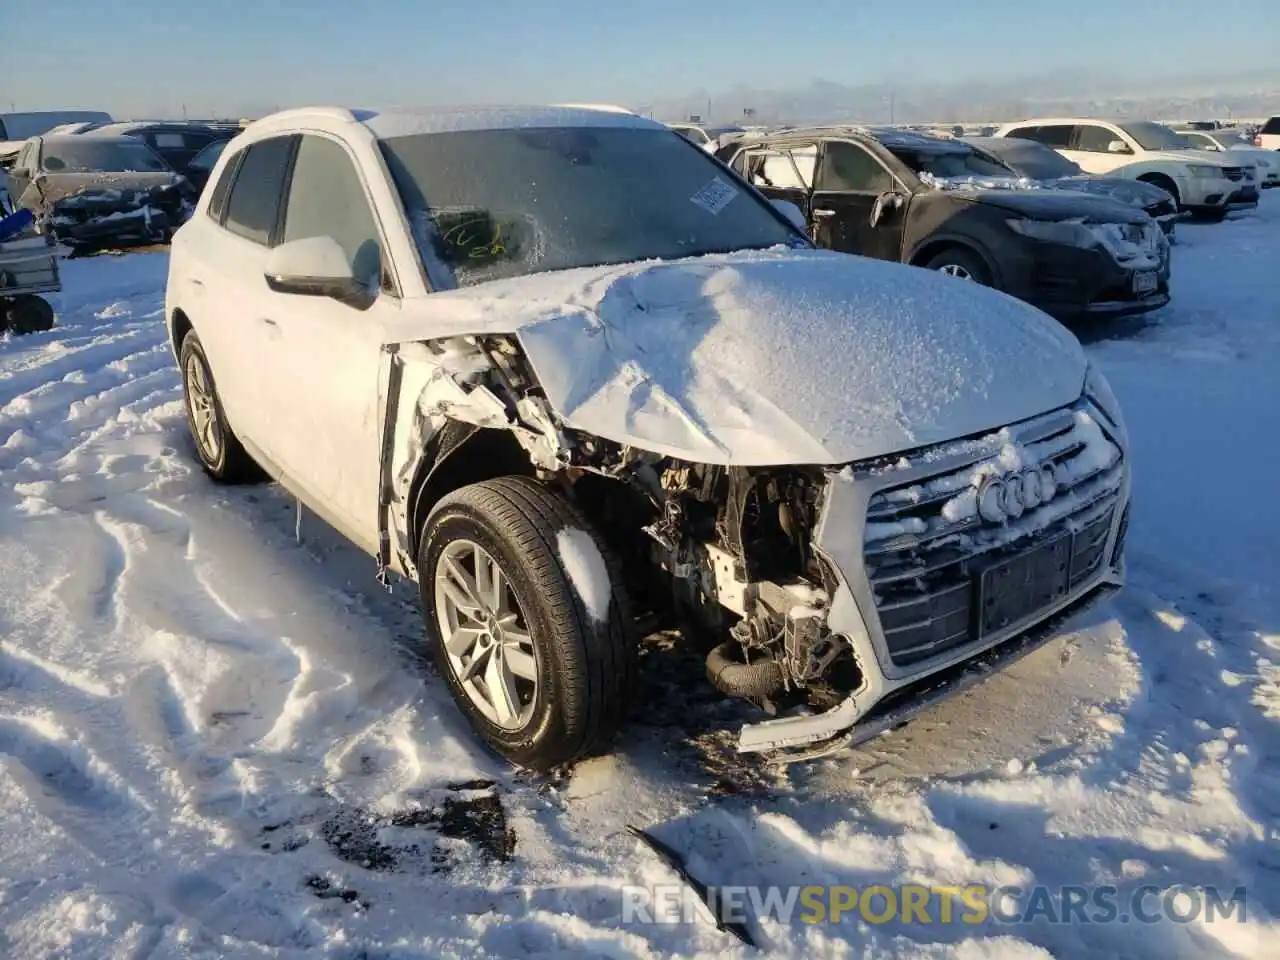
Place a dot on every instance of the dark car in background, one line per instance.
(1051, 170)
(96, 191)
(944, 205)
(178, 142)
(202, 164)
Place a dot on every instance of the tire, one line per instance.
(1166, 184)
(962, 264)
(1210, 214)
(28, 314)
(220, 452)
(569, 690)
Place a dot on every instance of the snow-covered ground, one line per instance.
(216, 740)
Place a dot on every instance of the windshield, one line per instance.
(492, 204)
(86, 154)
(1034, 160)
(952, 163)
(1154, 136)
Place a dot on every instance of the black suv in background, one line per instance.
(943, 205)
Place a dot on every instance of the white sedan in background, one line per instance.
(1205, 183)
(1229, 142)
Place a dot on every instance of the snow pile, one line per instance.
(587, 571)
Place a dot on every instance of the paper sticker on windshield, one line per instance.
(715, 196)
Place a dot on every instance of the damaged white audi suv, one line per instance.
(560, 367)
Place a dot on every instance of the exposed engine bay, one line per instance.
(727, 549)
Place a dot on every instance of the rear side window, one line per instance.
(848, 167)
(783, 169)
(327, 199)
(1057, 135)
(218, 197)
(253, 206)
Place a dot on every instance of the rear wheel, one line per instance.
(28, 314)
(528, 621)
(962, 264)
(220, 453)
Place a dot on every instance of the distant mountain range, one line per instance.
(1184, 97)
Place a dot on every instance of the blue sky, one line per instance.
(149, 57)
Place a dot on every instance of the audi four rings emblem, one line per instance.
(1007, 497)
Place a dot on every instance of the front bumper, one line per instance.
(1070, 283)
(898, 682)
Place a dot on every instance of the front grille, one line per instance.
(926, 545)
(1233, 173)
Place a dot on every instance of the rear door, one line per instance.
(850, 180)
(323, 357)
(780, 172)
(221, 257)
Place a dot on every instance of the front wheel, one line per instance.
(528, 621)
(1210, 214)
(961, 264)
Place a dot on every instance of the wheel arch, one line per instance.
(937, 243)
(455, 456)
(1164, 181)
(179, 326)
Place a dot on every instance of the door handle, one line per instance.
(822, 213)
(273, 328)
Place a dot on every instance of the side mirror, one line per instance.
(315, 267)
(1118, 146)
(793, 214)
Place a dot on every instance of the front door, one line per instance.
(324, 356)
(1091, 148)
(850, 183)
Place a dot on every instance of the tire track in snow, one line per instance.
(74, 788)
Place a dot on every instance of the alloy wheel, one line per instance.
(204, 410)
(485, 635)
(955, 270)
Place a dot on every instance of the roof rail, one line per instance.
(301, 113)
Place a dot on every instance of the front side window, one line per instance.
(1093, 139)
(492, 204)
(254, 203)
(1271, 127)
(327, 199)
(89, 154)
(848, 167)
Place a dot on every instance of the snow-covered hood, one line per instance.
(1136, 193)
(1189, 156)
(772, 357)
